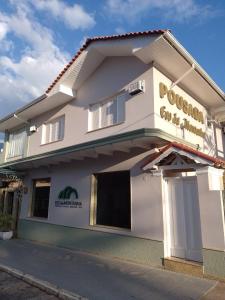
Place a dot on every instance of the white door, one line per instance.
(184, 218)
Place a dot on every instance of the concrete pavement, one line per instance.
(100, 278)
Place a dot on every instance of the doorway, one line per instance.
(112, 199)
(184, 218)
(10, 203)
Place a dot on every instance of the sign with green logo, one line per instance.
(68, 198)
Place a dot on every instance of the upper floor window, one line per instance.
(16, 143)
(53, 131)
(107, 113)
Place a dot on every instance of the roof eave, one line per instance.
(23, 108)
(189, 58)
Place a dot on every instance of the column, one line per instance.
(210, 187)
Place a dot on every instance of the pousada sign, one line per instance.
(181, 105)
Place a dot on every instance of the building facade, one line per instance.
(122, 156)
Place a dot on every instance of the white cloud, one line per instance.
(75, 17)
(174, 10)
(27, 76)
(3, 30)
(37, 36)
(26, 72)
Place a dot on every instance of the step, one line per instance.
(183, 266)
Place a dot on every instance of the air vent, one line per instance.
(137, 87)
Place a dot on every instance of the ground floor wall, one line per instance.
(134, 249)
(214, 263)
(145, 195)
(125, 247)
(145, 241)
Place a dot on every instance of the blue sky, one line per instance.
(38, 37)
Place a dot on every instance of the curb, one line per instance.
(41, 284)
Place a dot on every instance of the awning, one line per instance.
(145, 139)
(198, 157)
(8, 174)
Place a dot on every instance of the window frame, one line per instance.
(119, 120)
(32, 203)
(22, 131)
(93, 205)
(50, 123)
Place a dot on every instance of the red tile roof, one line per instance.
(102, 38)
(217, 161)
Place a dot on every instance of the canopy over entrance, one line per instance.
(179, 156)
(10, 175)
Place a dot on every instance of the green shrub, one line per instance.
(6, 222)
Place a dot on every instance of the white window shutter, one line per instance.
(94, 117)
(112, 112)
(17, 142)
(56, 130)
(43, 134)
(104, 115)
(53, 131)
(61, 128)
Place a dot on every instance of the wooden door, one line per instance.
(184, 218)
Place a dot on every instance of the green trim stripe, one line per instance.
(102, 243)
(139, 133)
(214, 263)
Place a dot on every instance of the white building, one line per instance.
(123, 155)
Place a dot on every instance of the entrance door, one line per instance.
(10, 198)
(184, 218)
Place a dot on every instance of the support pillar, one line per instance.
(210, 193)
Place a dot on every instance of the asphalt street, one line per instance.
(12, 288)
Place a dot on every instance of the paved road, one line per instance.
(99, 278)
(12, 288)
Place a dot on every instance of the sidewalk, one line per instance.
(100, 278)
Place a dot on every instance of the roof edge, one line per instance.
(23, 108)
(190, 59)
(103, 38)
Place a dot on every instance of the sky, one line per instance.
(38, 37)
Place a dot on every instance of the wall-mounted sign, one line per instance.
(68, 198)
(182, 105)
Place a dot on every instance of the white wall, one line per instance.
(111, 77)
(147, 216)
(146, 203)
(211, 208)
(142, 111)
(206, 144)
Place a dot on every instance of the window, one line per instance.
(107, 113)
(112, 199)
(17, 142)
(53, 131)
(40, 201)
